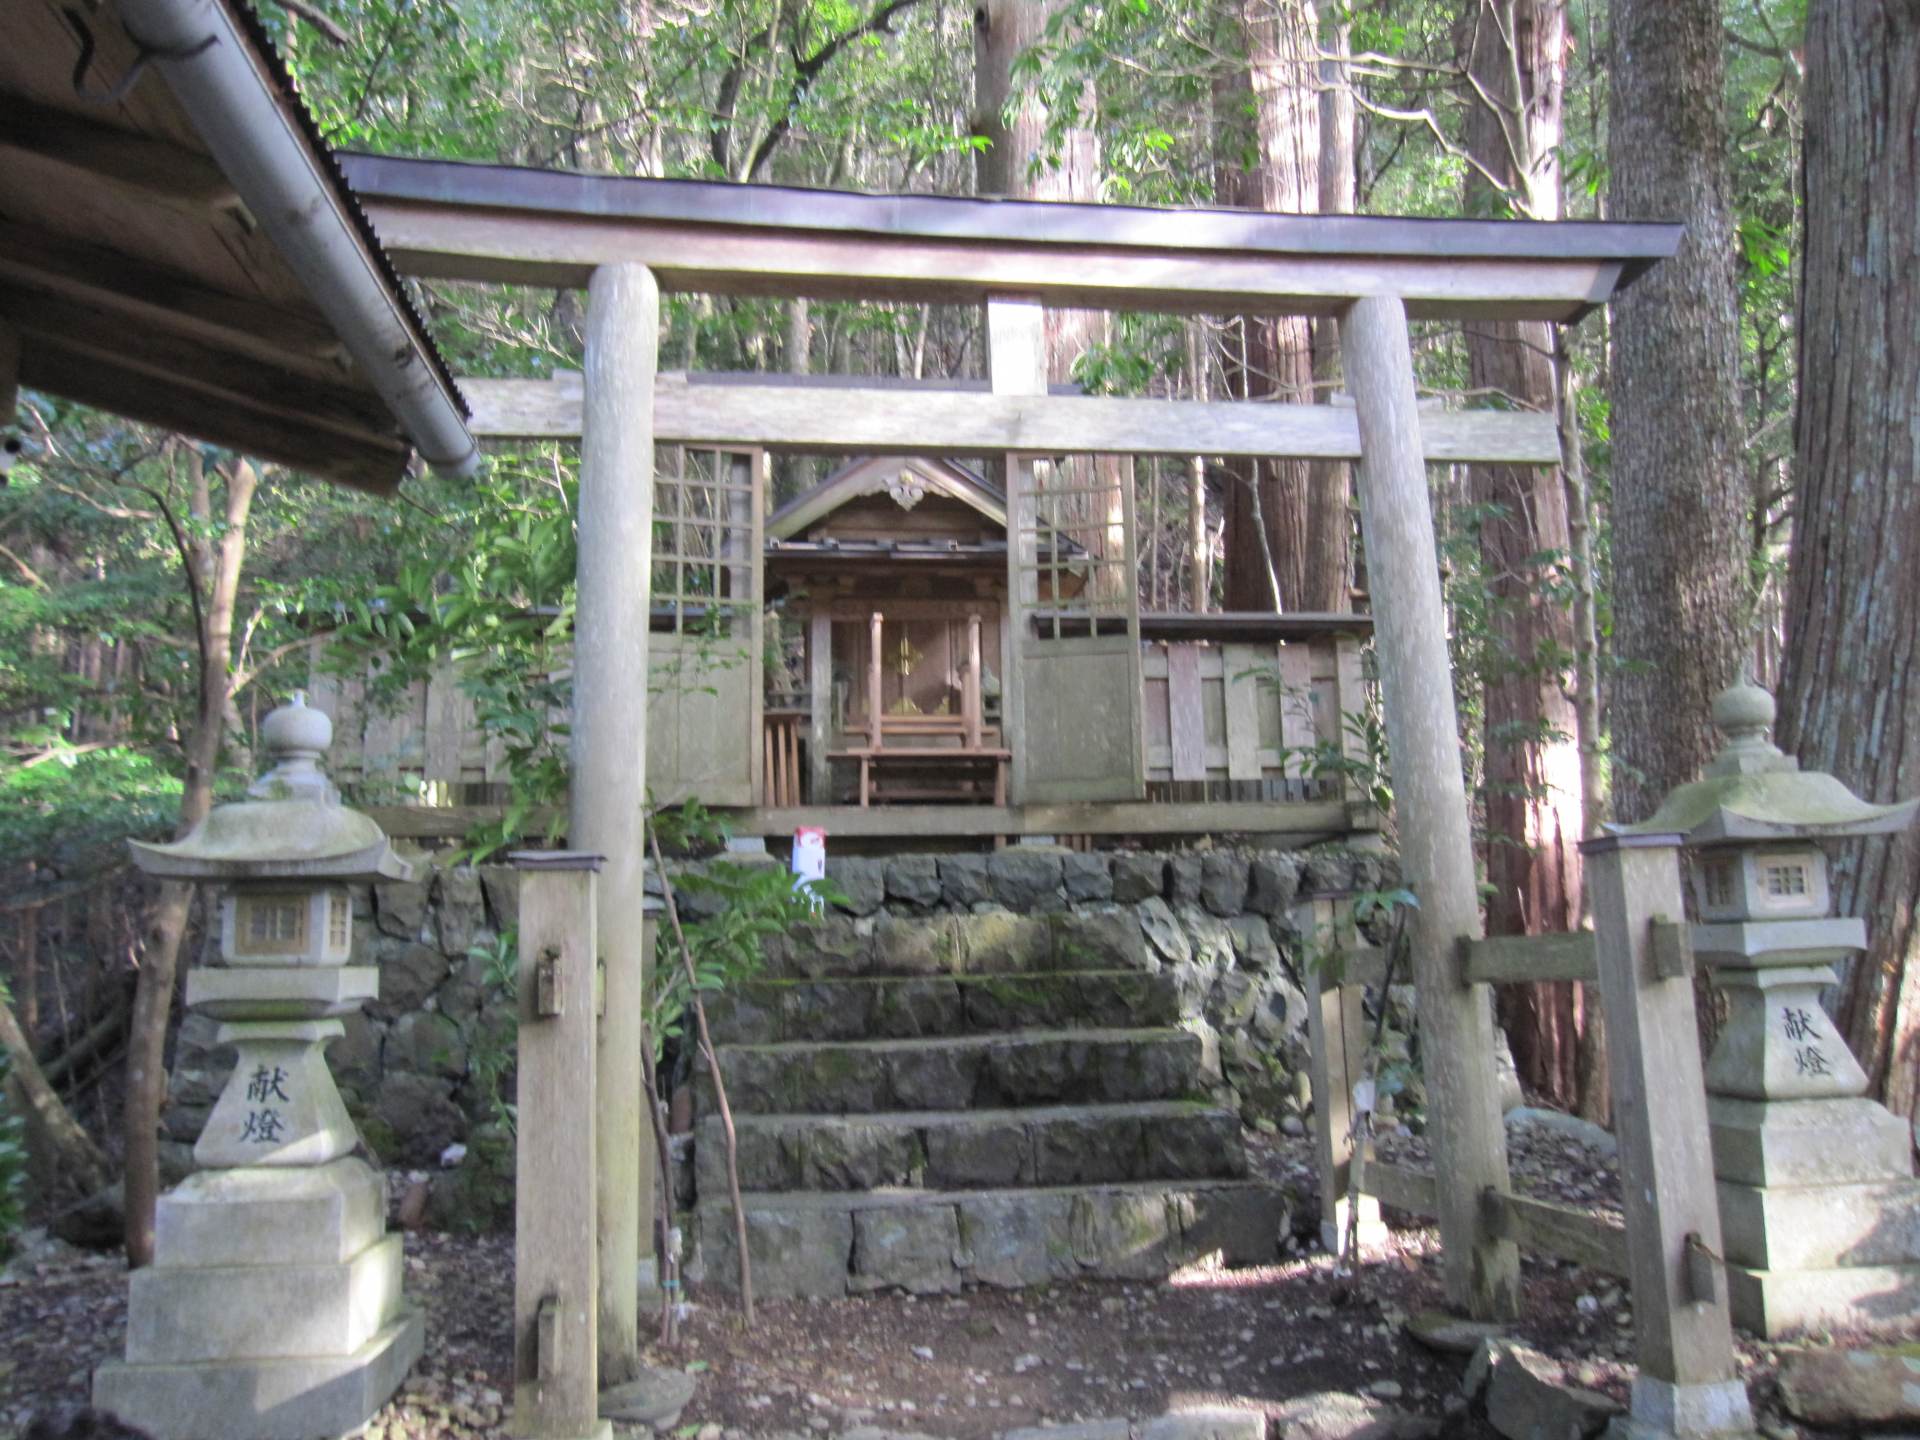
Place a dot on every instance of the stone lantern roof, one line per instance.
(291, 826)
(1752, 791)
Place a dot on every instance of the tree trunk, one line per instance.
(212, 567)
(1850, 694)
(1329, 560)
(1679, 495)
(1532, 772)
(1282, 533)
(61, 1156)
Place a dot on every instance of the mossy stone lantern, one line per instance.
(1818, 1208)
(273, 1309)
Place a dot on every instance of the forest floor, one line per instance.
(967, 1366)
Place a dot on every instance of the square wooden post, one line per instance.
(606, 815)
(1688, 1383)
(1337, 1031)
(1482, 1272)
(821, 718)
(556, 1367)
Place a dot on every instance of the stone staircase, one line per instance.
(928, 1101)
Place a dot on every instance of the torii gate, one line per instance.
(627, 239)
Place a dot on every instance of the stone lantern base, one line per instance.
(1819, 1212)
(272, 1311)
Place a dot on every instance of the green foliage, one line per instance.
(13, 1155)
(491, 1049)
(71, 811)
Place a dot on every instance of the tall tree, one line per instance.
(1679, 495)
(1851, 691)
(1267, 157)
(1517, 53)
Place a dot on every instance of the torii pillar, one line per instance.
(1482, 1273)
(606, 815)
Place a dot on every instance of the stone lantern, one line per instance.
(273, 1307)
(1819, 1211)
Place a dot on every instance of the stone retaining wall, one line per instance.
(1222, 928)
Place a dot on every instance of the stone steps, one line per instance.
(1028, 1067)
(839, 947)
(809, 1243)
(970, 1149)
(764, 1012)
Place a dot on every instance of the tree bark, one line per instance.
(1532, 773)
(212, 563)
(1679, 495)
(61, 1155)
(1267, 157)
(1850, 691)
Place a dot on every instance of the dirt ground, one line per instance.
(966, 1366)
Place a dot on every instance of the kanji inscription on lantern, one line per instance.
(1799, 1023)
(1811, 1060)
(263, 1127)
(268, 1084)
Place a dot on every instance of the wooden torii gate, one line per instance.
(626, 240)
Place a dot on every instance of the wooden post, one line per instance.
(1017, 363)
(610, 672)
(556, 1391)
(1337, 1030)
(1436, 845)
(1688, 1381)
(820, 705)
(875, 704)
(970, 696)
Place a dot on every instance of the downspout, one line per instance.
(234, 103)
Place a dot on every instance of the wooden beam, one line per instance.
(1507, 959)
(170, 355)
(156, 168)
(156, 294)
(177, 402)
(1415, 1192)
(1561, 1231)
(800, 420)
(454, 241)
(1481, 1272)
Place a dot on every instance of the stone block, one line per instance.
(1025, 878)
(1804, 1142)
(978, 1155)
(914, 880)
(848, 1155)
(826, 1010)
(1016, 1240)
(322, 1215)
(769, 1154)
(1165, 1066)
(999, 942)
(1526, 1399)
(1108, 939)
(1223, 882)
(409, 973)
(798, 1251)
(1088, 1148)
(963, 881)
(1183, 879)
(1138, 876)
(400, 909)
(1056, 1069)
(748, 1015)
(862, 882)
(427, 1043)
(1775, 1303)
(1821, 1226)
(1166, 935)
(915, 1249)
(933, 1076)
(1851, 1390)
(803, 1080)
(916, 945)
(1086, 875)
(1123, 1234)
(1327, 872)
(262, 1312)
(1273, 879)
(419, 1113)
(911, 1009)
(292, 1399)
(1208, 1423)
(500, 885)
(1240, 1224)
(1337, 1415)
(1253, 945)
(460, 909)
(1193, 1143)
(830, 947)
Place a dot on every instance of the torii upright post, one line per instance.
(1436, 846)
(610, 759)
